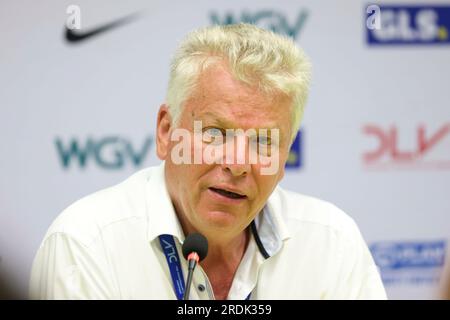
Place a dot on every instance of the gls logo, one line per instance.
(267, 19)
(409, 25)
(428, 149)
(111, 152)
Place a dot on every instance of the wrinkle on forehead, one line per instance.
(218, 92)
(218, 81)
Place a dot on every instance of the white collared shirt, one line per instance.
(106, 246)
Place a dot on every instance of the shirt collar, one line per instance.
(271, 226)
(162, 218)
(277, 214)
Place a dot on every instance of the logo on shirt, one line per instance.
(413, 262)
(273, 20)
(109, 152)
(170, 250)
(420, 147)
(407, 25)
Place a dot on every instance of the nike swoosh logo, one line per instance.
(75, 36)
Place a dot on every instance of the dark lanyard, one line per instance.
(176, 272)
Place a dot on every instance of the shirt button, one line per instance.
(201, 287)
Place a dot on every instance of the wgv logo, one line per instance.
(295, 157)
(408, 25)
(111, 152)
(267, 19)
(425, 148)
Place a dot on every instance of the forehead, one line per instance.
(220, 97)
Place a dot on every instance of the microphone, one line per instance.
(195, 249)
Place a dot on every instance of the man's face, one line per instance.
(220, 200)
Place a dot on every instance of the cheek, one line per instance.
(280, 173)
(266, 184)
(195, 180)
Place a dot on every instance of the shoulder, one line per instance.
(324, 243)
(303, 211)
(88, 217)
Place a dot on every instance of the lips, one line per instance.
(227, 193)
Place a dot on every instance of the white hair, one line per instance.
(255, 56)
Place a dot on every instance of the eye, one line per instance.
(213, 132)
(213, 135)
(264, 140)
(264, 145)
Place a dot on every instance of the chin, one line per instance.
(219, 220)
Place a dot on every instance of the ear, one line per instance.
(163, 127)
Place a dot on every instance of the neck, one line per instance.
(226, 252)
(224, 256)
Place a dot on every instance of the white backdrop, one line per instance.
(79, 116)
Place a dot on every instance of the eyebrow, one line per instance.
(215, 117)
(227, 124)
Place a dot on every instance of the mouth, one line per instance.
(228, 194)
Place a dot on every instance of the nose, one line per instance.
(237, 170)
(236, 158)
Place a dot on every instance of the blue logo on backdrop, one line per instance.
(403, 25)
(267, 19)
(295, 158)
(111, 152)
(409, 262)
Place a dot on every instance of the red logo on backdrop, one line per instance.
(425, 148)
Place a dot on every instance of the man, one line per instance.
(234, 104)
